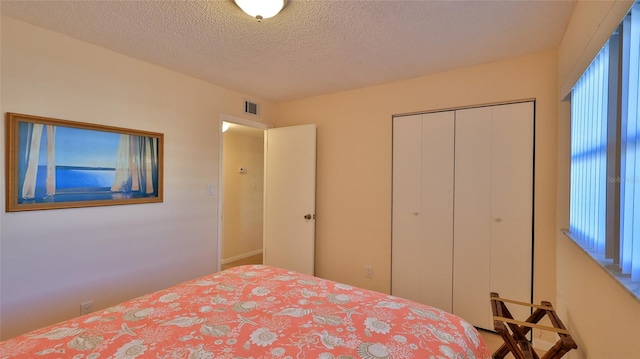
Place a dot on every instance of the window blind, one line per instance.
(588, 154)
(630, 152)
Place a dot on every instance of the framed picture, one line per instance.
(55, 163)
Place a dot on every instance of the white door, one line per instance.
(422, 245)
(512, 204)
(462, 209)
(493, 209)
(472, 216)
(289, 198)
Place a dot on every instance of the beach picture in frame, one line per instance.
(53, 163)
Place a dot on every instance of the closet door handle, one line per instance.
(498, 219)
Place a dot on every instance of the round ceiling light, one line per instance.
(261, 9)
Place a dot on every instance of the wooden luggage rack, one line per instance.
(514, 333)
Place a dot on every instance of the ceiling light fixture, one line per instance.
(261, 9)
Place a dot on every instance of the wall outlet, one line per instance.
(86, 307)
(368, 272)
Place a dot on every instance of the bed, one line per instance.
(256, 312)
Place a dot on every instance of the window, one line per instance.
(605, 155)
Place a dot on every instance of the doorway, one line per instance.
(241, 192)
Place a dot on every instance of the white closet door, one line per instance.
(436, 214)
(422, 251)
(462, 209)
(511, 204)
(405, 224)
(493, 209)
(472, 213)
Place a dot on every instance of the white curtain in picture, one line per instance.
(135, 164)
(32, 158)
(51, 161)
(122, 181)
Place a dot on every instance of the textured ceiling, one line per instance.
(311, 47)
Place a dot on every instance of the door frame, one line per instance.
(238, 121)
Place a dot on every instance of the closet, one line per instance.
(463, 208)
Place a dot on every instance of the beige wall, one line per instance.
(354, 160)
(53, 260)
(602, 316)
(242, 192)
(590, 26)
(47, 269)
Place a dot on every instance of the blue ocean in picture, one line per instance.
(80, 182)
(70, 177)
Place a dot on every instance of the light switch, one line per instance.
(211, 189)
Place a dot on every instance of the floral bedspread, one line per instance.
(257, 312)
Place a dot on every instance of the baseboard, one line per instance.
(241, 256)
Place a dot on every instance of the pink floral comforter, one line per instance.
(257, 312)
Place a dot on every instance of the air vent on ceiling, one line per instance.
(250, 108)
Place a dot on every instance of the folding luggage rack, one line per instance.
(514, 333)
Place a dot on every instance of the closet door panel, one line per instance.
(436, 214)
(511, 204)
(472, 215)
(407, 240)
(463, 208)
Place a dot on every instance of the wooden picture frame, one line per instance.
(53, 163)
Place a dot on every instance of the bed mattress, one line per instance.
(257, 312)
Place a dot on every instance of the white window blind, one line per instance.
(605, 167)
(588, 154)
(630, 150)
